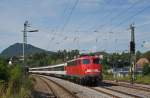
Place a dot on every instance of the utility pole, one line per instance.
(132, 53)
(26, 25)
(24, 39)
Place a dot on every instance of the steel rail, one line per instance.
(101, 91)
(53, 93)
(129, 86)
(134, 96)
(65, 89)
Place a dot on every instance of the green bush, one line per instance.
(16, 73)
(146, 69)
(12, 83)
(4, 72)
(143, 79)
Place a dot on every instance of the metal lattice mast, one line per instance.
(24, 39)
(132, 53)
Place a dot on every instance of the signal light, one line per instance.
(132, 47)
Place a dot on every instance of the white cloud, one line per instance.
(147, 45)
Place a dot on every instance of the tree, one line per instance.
(146, 69)
(138, 55)
(4, 73)
(147, 55)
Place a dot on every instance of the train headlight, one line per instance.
(92, 70)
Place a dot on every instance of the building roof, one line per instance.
(141, 62)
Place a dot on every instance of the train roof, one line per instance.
(83, 57)
(64, 64)
(50, 66)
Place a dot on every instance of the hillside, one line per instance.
(16, 50)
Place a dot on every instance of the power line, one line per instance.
(122, 12)
(57, 26)
(127, 19)
(126, 10)
(142, 25)
(70, 14)
(107, 3)
(102, 8)
(69, 17)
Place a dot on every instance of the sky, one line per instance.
(87, 25)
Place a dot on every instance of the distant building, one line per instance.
(123, 72)
(10, 62)
(141, 62)
(119, 72)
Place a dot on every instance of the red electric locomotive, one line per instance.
(86, 69)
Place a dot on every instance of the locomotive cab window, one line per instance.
(85, 61)
(96, 61)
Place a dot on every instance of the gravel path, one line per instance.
(135, 89)
(140, 93)
(41, 89)
(82, 91)
(87, 92)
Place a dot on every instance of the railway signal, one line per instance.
(132, 53)
(26, 25)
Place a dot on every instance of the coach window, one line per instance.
(85, 61)
(60, 68)
(96, 61)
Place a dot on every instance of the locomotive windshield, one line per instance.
(86, 61)
(96, 61)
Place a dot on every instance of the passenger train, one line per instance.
(84, 70)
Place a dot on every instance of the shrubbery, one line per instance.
(146, 69)
(13, 84)
(4, 70)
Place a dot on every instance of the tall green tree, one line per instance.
(146, 69)
(4, 71)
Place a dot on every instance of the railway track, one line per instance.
(128, 85)
(126, 89)
(42, 89)
(102, 91)
(57, 90)
(115, 93)
(65, 89)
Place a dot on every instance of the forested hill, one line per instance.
(16, 50)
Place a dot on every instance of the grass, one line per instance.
(20, 91)
(143, 79)
(16, 86)
(139, 79)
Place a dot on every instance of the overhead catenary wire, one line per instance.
(104, 17)
(102, 8)
(117, 15)
(129, 18)
(142, 25)
(58, 26)
(107, 3)
(121, 13)
(70, 14)
(68, 19)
